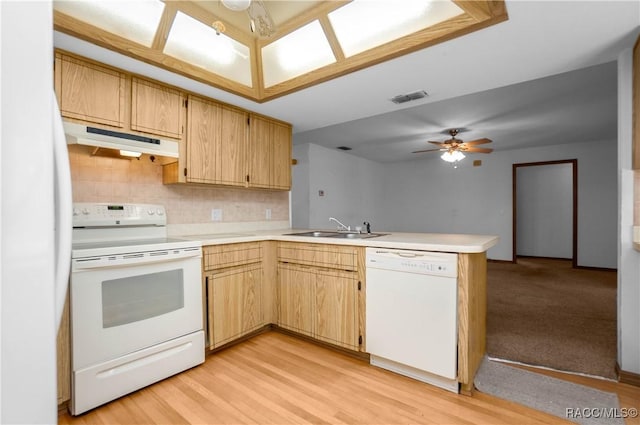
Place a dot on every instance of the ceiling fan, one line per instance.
(453, 147)
(260, 20)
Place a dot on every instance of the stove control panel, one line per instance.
(105, 214)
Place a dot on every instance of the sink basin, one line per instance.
(341, 235)
(314, 234)
(348, 235)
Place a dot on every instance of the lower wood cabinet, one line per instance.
(321, 292)
(63, 356)
(233, 278)
(295, 284)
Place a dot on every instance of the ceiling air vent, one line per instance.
(402, 98)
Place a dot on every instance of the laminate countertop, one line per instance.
(443, 242)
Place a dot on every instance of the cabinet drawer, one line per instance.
(221, 256)
(329, 256)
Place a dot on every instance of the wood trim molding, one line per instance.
(478, 14)
(574, 163)
(625, 377)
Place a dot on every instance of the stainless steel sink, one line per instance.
(314, 234)
(349, 235)
(341, 235)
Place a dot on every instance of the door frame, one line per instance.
(574, 163)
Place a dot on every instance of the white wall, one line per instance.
(628, 258)
(349, 184)
(429, 195)
(544, 212)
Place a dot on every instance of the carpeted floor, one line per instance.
(551, 395)
(542, 312)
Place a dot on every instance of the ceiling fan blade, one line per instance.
(478, 150)
(439, 143)
(429, 150)
(478, 142)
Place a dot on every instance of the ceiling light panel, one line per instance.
(297, 53)
(364, 24)
(193, 42)
(135, 20)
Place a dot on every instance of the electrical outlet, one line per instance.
(216, 214)
(268, 214)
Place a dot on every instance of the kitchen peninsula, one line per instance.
(282, 253)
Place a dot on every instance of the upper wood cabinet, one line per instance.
(156, 108)
(90, 92)
(106, 97)
(269, 154)
(216, 145)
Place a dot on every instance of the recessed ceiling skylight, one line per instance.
(365, 24)
(313, 40)
(297, 53)
(196, 43)
(135, 20)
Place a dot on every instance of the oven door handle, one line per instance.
(134, 259)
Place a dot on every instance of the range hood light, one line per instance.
(130, 153)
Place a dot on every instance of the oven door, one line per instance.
(121, 304)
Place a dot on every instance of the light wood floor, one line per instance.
(278, 379)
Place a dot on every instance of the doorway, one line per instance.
(545, 210)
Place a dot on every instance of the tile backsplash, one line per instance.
(101, 179)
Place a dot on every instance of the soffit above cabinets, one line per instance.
(312, 41)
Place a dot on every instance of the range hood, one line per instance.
(92, 136)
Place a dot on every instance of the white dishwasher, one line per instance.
(411, 325)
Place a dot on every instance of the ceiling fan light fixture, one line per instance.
(452, 156)
(236, 5)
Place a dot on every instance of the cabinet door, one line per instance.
(204, 120)
(156, 109)
(336, 308)
(281, 156)
(90, 92)
(295, 286)
(270, 154)
(235, 303)
(233, 147)
(216, 143)
(260, 152)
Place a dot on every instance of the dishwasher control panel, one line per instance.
(422, 262)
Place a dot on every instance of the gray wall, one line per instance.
(628, 257)
(349, 184)
(429, 195)
(544, 218)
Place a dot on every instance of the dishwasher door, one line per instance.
(411, 315)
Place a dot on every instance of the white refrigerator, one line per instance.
(31, 229)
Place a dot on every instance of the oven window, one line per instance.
(134, 298)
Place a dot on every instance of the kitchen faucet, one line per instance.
(340, 225)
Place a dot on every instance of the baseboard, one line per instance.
(265, 328)
(625, 377)
(544, 258)
(489, 260)
(597, 269)
(355, 354)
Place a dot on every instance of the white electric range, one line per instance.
(136, 302)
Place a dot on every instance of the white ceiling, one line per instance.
(540, 39)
